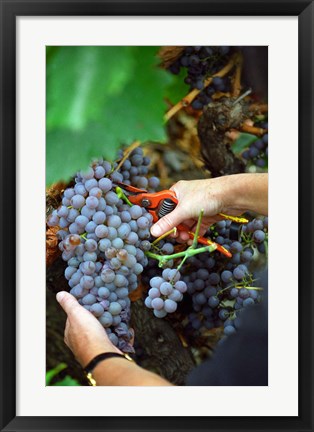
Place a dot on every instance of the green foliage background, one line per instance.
(99, 98)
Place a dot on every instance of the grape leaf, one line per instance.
(134, 111)
(80, 78)
(177, 88)
(242, 142)
(70, 151)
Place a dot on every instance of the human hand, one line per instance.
(231, 194)
(83, 334)
(194, 196)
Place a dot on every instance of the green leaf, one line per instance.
(80, 79)
(138, 114)
(70, 151)
(244, 141)
(135, 112)
(67, 381)
(53, 372)
(177, 89)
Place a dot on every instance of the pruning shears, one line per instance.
(159, 204)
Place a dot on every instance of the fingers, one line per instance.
(68, 303)
(167, 222)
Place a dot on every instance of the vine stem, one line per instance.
(172, 231)
(127, 153)
(162, 259)
(187, 100)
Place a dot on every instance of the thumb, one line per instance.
(167, 223)
(68, 303)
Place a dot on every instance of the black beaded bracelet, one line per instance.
(100, 357)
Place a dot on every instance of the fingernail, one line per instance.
(155, 231)
(60, 296)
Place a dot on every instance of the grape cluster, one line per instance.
(201, 63)
(257, 153)
(134, 171)
(101, 240)
(220, 288)
(165, 292)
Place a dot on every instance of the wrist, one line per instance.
(87, 355)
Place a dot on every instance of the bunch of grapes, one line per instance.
(257, 153)
(101, 240)
(165, 292)
(200, 63)
(134, 171)
(221, 288)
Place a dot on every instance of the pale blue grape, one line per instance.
(79, 189)
(99, 172)
(88, 267)
(115, 263)
(114, 221)
(111, 198)
(156, 281)
(89, 299)
(180, 286)
(72, 215)
(90, 256)
(157, 303)
(135, 211)
(88, 212)
(63, 211)
(170, 306)
(101, 231)
(153, 182)
(124, 230)
(174, 275)
(112, 233)
(69, 193)
(166, 288)
(96, 309)
(81, 221)
(159, 313)
(132, 238)
(91, 202)
(90, 184)
(120, 280)
(99, 217)
(143, 234)
(154, 293)
(122, 292)
(148, 302)
(105, 184)
(138, 268)
(90, 227)
(74, 229)
(103, 292)
(77, 201)
(106, 319)
(69, 272)
(259, 236)
(176, 295)
(87, 174)
(114, 308)
(63, 223)
(117, 243)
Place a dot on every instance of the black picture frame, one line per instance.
(10, 10)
